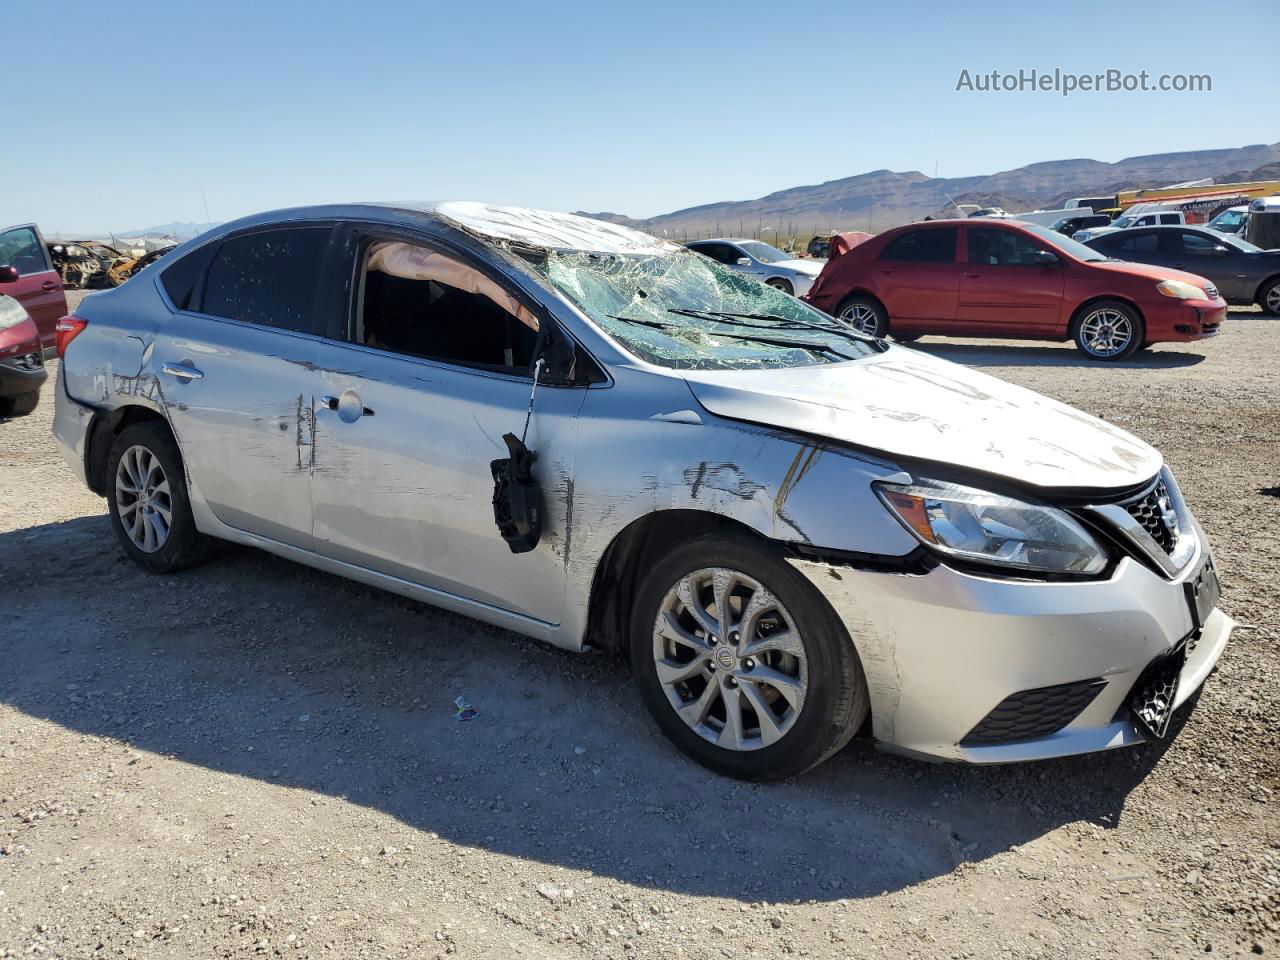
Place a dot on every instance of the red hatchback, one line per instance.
(1005, 278)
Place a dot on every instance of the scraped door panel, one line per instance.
(245, 424)
(404, 486)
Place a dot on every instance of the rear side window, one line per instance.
(181, 277)
(923, 246)
(1169, 218)
(268, 278)
(1135, 243)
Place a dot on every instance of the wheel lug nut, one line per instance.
(731, 682)
(749, 663)
(733, 637)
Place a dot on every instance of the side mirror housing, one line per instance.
(1046, 259)
(1221, 251)
(8, 274)
(744, 261)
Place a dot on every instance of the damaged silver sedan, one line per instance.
(575, 431)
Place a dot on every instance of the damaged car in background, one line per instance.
(595, 438)
(94, 265)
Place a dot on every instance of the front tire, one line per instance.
(742, 663)
(1269, 297)
(864, 315)
(779, 284)
(147, 500)
(20, 405)
(1108, 330)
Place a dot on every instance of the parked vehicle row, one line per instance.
(1004, 278)
(1005, 578)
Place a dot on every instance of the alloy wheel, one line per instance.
(1273, 299)
(730, 660)
(1106, 332)
(143, 500)
(860, 317)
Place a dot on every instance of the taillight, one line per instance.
(66, 330)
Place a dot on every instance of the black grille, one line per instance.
(1151, 699)
(1151, 511)
(1029, 714)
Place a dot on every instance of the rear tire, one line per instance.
(20, 405)
(865, 315)
(148, 503)
(1269, 297)
(1108, 330)
(794, 657)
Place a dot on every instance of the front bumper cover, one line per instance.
(942, 649)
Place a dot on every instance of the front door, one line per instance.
(39, 286)
(412, 411)
(1203, 255)
(236, 377)
(1006, 288)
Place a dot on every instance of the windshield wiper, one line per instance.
(647, 323)
(799, 324)
(809, 345)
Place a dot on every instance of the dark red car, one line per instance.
(22, 372)
(27, 274)
(1005, 278)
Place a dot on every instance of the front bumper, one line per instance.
(942, 649)
(17, 376)
(1182, 321)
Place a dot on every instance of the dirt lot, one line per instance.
(256, 759)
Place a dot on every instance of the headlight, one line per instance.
(1180, 290)
(975, 525)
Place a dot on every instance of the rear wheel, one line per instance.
(865, 315)
(20, 405)
(1107, 330)
(148, 503)
(1269, 297)
(742, 663)
(779, 284)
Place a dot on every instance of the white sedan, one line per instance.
(769, 264)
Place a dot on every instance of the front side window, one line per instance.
(1001, 248)
(684, 311)
(21, 250)
(268, 278)
(719, 252)
(1198, 245)
(419, 302)
(923, 246)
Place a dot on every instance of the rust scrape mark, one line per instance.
(568, 519)
(725, 477)
(805, 458)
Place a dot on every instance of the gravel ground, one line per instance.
(253, 758)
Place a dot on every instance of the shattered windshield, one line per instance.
(685, 311)
(763, 252)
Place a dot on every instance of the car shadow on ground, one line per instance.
(1024, 355)
(257, 667)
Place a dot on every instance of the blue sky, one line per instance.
(640, 108)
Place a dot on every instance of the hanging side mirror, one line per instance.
(9, 274)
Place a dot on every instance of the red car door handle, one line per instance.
(973, 276)
(50, 285)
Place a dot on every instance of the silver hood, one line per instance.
(907, 403)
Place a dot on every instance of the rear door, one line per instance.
(235, 365)
(39, 287)
(917, 276)
(1006, 289)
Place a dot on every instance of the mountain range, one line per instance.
(885, 198)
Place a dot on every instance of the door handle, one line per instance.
(182, 371)
(349, 413)
(973, 276)
(50, 285)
